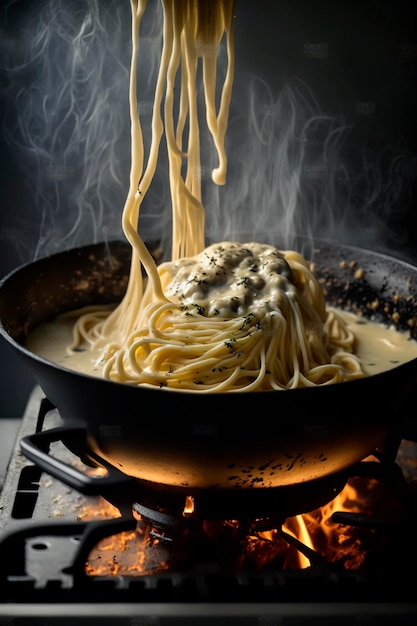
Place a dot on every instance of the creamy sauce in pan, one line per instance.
(379, 348)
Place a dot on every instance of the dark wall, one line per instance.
(16, 381)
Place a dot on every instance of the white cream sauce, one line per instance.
(228, 279)
(379, 348)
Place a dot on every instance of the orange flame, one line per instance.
(302, 539)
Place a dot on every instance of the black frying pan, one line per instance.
(224, 441)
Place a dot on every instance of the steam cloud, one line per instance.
(293, 170)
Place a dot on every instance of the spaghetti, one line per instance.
(230, 317)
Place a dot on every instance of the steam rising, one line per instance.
(293, 170)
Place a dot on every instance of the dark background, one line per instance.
(359, 59)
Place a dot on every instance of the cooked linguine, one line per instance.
(230, 317)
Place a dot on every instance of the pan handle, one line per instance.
(36, 448)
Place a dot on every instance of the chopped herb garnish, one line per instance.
(200, 309)
(229, 343)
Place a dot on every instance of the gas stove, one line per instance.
(78, 545)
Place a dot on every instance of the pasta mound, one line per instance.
(236, 317)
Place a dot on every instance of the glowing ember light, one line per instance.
(189, 506)
(127, 553)
(133, 553)
(104, 510)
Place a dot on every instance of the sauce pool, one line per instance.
(378, 347)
